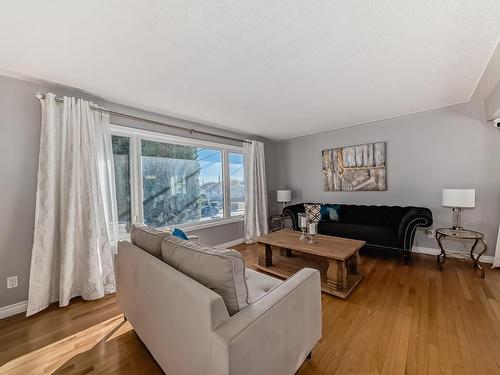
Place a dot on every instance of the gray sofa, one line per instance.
(190, 329)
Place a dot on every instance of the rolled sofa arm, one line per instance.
(292, 211)
(273, 335)
(416, 217)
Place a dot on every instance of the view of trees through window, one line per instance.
(121, 158)
(181, 184)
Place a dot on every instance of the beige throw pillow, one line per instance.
(222, 270)
(148, 239)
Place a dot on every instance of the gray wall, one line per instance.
(426, 152)
(19, 142)
(219, 234)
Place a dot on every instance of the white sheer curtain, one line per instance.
(76, 218)
(496, 262)
(255, 191)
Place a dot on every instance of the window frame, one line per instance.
(136, 187)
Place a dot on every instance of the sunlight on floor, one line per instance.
(48, 359)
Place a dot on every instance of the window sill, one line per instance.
(196, 226)
(211, 223)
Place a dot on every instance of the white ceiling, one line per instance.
(279, 69)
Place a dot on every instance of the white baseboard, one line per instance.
(416, 249)
(229, 244)
(455, 254)
(14, 309)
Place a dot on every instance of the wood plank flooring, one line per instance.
(399, 320)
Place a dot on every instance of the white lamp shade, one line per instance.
(284, 195)
(461, 198)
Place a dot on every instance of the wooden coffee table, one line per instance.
(336, 258)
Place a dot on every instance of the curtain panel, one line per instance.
(256, 222)
(76, 226)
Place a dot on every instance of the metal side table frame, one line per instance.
(462, 235)
(281, 219)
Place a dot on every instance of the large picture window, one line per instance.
(169, 181)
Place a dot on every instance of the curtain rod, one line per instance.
(42, 95)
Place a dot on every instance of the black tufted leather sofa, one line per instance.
(381, 227)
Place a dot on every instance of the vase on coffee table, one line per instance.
(312, 230)
(302, 225)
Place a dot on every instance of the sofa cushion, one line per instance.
(259, 285)
(148, 239)
(179, 233)
(222, 270)
(330, 212)
(313, 212)
(372, 235)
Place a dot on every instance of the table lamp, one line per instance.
(459, 199)
(284, 196)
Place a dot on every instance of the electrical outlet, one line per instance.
(12, 282)
(430, 233)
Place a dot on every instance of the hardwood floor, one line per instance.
(413, 320)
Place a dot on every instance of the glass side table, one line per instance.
(275, 223)
(280, 222)
(463, 235)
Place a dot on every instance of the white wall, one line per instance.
(493, 103)
(426, 152)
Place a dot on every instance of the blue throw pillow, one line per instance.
(180, 234)
(330, 212)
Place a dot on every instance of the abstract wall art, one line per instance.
(355, 168)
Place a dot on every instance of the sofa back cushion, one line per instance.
(148, 239)
(379, 216)
(222, 270)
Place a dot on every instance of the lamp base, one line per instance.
(457, 219)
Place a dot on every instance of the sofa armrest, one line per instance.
(173, 314)
(292, 211)
(414, 218)
(275, 334)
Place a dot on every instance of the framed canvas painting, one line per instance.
(355, 168)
